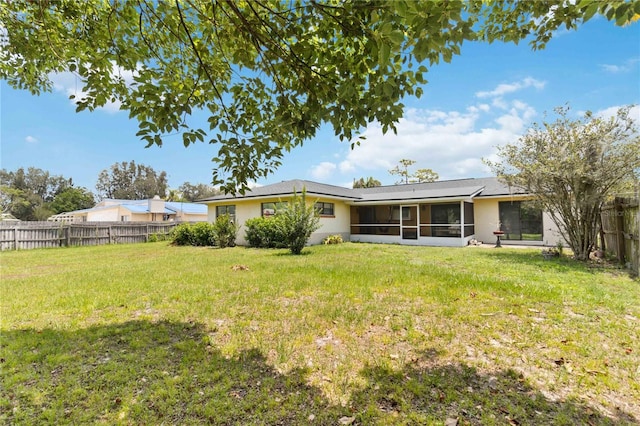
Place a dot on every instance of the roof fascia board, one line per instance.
(488, 197)
(411, 201)
(270, 196)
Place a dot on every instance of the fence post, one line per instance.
(619, 212)
(67, 235)
(15, 238)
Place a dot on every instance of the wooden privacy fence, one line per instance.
(32, 235)
(621, 229)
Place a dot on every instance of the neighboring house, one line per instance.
(8, 217)
(152, 210)
(443, 213)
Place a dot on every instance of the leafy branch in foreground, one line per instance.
(268, 73)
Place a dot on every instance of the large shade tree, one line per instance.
(199, 191)
(268, 73)
(30, 194)
(419, 176)
(572, 165)
(131, 181)
(72, 198)
(369, 182)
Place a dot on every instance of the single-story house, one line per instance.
(151, 210)
(8, 217)
(442, 213)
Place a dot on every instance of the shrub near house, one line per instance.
(225, 231)
(290, 227)
(221, 233)
(265, 232)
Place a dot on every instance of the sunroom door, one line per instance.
(409, 222)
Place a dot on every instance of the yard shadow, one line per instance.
(430, 395)
(144, 372)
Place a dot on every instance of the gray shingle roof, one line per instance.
(480, 187)
(421, 193)
(286, 188)
(491, 187)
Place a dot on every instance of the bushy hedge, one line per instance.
(333, 239)
(263, 232)
(221, 233)
(300, 221)
(291, 227)
(194, 234)
(225, 231)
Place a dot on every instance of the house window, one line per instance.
(230, 210)
(324, 209)
(395, 213)
(520, 220)
(446, 220)
(269, 209)
(375, 220)
(124, 218)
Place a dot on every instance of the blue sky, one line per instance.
(488, 96)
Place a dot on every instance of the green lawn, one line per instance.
(344, 334)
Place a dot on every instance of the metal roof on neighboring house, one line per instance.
(190, 208)
(461, 188)
(140, 208)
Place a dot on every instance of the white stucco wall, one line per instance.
(105, 215)
(192, 217)
(486, 217)
(340, 224)
(247, 209)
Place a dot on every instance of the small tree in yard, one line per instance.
(299, 221)
(225, 231)
(572, 167)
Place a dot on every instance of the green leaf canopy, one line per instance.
(268, 73)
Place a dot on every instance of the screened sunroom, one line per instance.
(439, 221)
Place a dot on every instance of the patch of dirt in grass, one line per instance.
(148, 313)
(34, 271)
(294, 302)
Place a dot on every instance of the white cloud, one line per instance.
(323, 170)
(517, 118)
(30, 139)
(612, 68)
(71, 84)
(627, 66)
(506, 88)
(451, 143)
(634, 112)
(346, 167)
